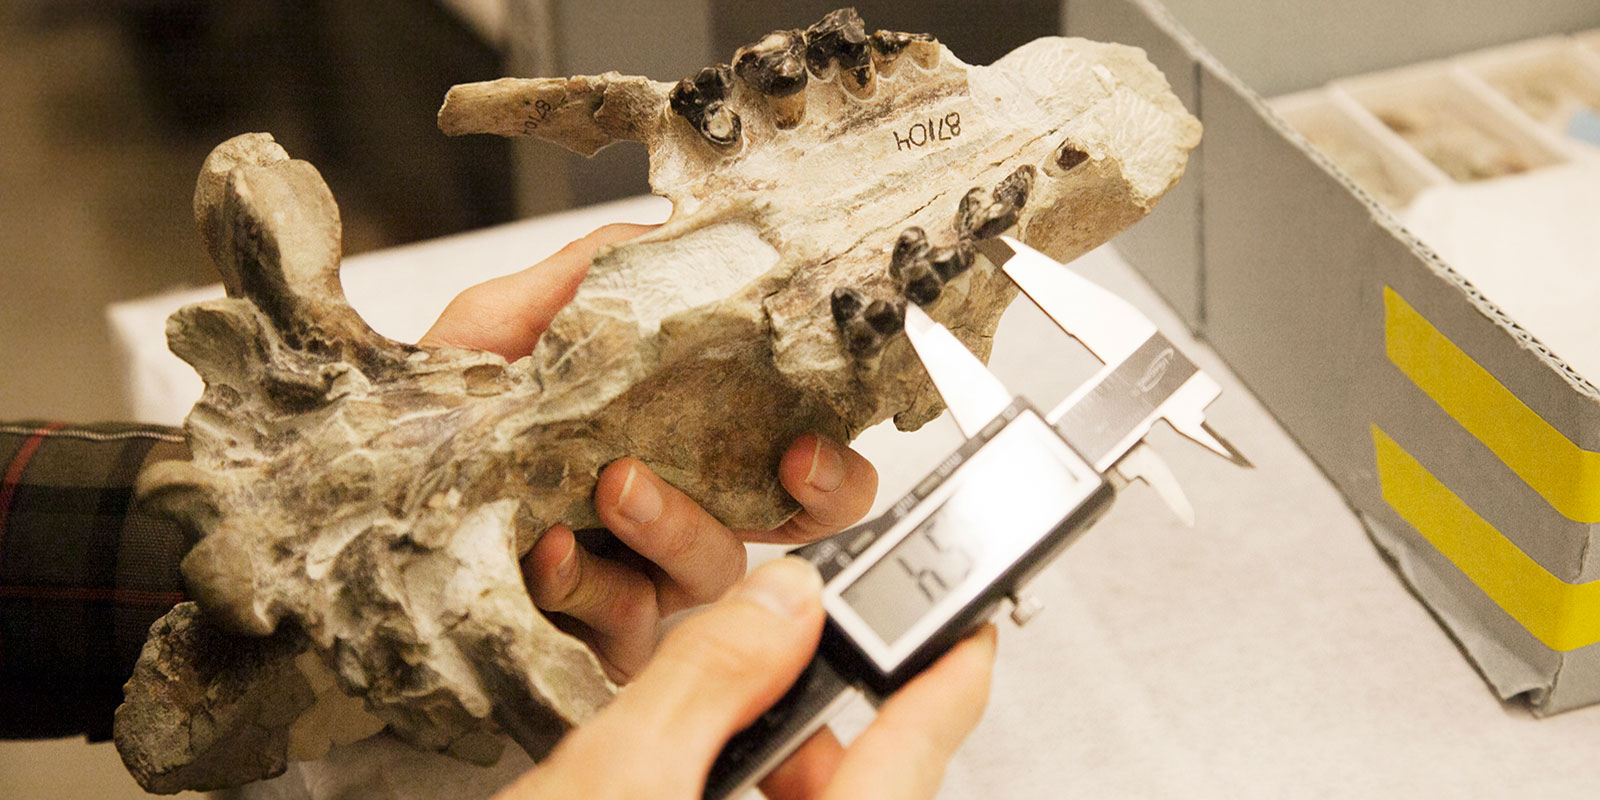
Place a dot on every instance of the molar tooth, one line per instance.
(885, 317)
(889, 46)
(701, 101)
(923, 285)
(721, 124)
(951, 261)
(912, 246)
(1015, 188)
(861, 337)
(840, 37)
(866, 330)
(775, 67)
(846, 304)
(982, 215)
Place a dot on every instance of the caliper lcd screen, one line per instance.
(973, 526)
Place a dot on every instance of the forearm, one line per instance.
(83, 573)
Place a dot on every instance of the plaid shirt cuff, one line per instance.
(83, 573)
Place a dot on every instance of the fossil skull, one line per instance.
(366, 499)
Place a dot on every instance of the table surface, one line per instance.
(1267, 652)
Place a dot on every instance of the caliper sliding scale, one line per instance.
(902, 589)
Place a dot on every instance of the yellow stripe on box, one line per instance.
(1566, 475)
(1565, 616)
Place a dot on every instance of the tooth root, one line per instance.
(788, 112)
(925, 52)
(775, 68)
(860, 81)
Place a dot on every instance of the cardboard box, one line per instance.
(1469, 448)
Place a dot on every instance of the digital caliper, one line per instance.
(902, 589)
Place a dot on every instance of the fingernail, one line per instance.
(827, 467)
(639, 500)
(568, 562)
(787, 587)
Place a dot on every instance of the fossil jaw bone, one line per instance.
(373, 496)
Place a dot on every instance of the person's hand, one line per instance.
(689, 558)
(719, 670)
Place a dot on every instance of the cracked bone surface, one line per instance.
(371, 497)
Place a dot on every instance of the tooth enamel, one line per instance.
(951, 261)
(982, 215)
(721, 124)
(889, 46)
(775, 68)
(923, 285)
(701, 101)
(841, 37)
(885, 317)
(912, 246)
(846, 304)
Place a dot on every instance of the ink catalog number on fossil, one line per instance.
(536, 115)
(929, 131)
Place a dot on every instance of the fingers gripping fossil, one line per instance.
(366, 499)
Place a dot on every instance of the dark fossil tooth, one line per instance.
(912, 246)
(700, 100)
(889, 46)
(776, 68)
(847, 304)
(951, 261)
(840, 37)
(982, 214)
(923, 285)
(1070, 156)
(1015, 188)
(721, 124)
(885, 317)
(776, 65)
(862, 325)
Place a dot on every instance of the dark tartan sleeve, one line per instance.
(83, 574)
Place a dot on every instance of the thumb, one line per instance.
(506, 315)
(719, 670)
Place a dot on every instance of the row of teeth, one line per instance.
(921, 269)
(779, 66)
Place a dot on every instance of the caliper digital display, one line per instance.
(968, 542)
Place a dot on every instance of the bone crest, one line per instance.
(366, 500)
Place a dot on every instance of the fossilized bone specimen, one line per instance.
(366, 499)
